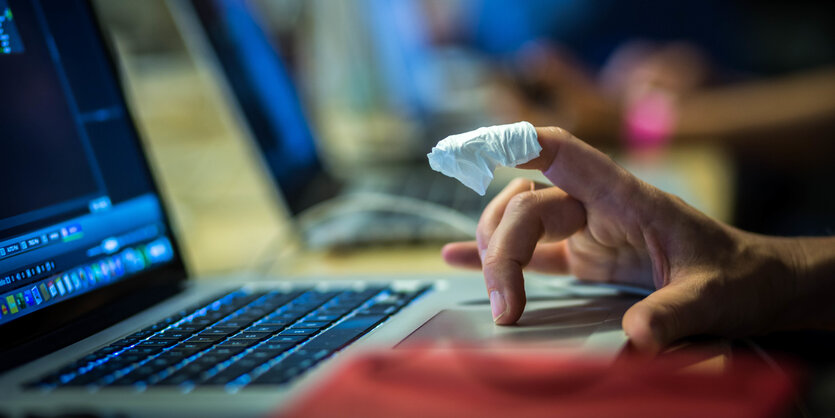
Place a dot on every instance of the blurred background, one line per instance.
(253, 111)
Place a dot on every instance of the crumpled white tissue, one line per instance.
(472, 157)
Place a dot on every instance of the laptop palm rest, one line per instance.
(553, 322)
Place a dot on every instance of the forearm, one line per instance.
(762, 107)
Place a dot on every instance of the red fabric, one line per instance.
(471, 383)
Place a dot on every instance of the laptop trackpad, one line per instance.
(561, 323)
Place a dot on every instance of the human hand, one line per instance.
(547, 83)
(601, 223)
(638, 67)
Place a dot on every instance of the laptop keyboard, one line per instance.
(383, 226)
(433, 187)
(238, 339)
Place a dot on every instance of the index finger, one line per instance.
(528, 217)
(579, 169)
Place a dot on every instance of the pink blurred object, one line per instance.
(650, 120)
(448, 382)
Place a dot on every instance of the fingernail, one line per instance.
(481, 253)
(497, 304)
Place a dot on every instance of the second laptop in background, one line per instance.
(406, 203)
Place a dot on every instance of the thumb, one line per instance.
(668, 314)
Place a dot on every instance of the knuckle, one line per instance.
(491, 260)
(557, 131)
(523, 202)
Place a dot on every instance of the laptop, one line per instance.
(98, 314)
(378, 204)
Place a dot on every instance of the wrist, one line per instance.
(813, 269)
(760, 276)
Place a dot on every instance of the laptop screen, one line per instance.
(79, 211)
(265, 92)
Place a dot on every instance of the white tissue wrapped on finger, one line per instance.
(472, 157)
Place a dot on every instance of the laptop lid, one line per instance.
(262, 86)
(84, 239)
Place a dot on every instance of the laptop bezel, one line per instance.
(56, 326)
